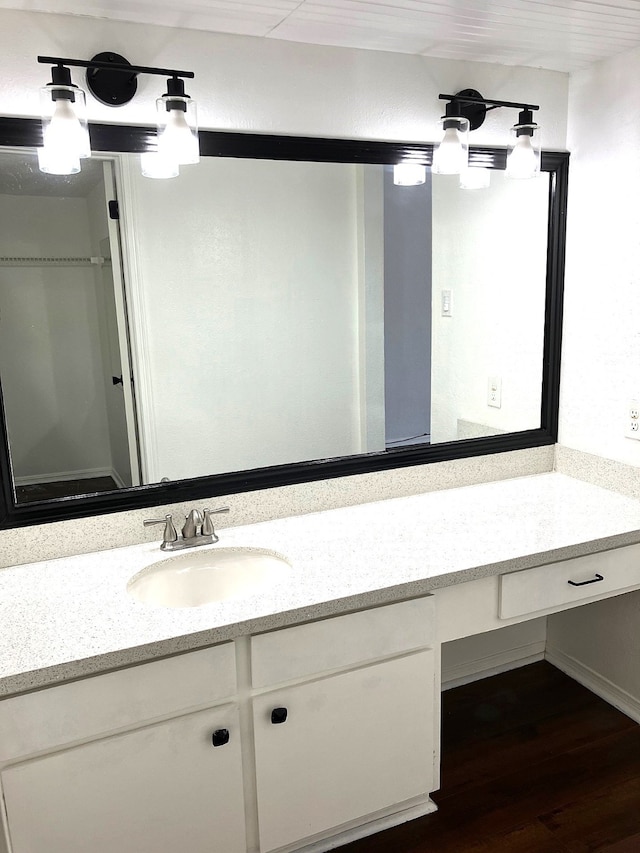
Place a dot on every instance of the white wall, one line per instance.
(601, 347)
(50, 358)
(246, 304)
(490, 250)
(603, 637)
(260, 85)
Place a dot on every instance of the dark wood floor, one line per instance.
(63, 489)
(531, 763)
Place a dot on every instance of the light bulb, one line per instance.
(64, 132)
(452, 155)
(57, 162)
(523, 161)
(154, 165)
(176, 140)
(409, 174)
(64, 125)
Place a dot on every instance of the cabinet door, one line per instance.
(160, 789)
(351, 745)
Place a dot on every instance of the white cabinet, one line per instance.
(351, 745)
(125, 762)
(158, 789)
(359, 738)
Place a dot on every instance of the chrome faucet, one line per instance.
(196, 530)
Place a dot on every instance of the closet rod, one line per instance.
(52, 262)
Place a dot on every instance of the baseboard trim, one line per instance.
(63, 476)
(424, 807)
(117, 479)
(474, 670)
(596, 683)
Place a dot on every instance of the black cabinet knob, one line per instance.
(220, 737)
(278, 715)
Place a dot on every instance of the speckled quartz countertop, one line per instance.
(72, 617)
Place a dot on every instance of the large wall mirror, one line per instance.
(280, 312)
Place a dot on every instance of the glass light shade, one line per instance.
(154, 165)
(58, 163)
(64, 124)
(178, 129)
(451, 157)
(409, 174)
(523, 157)
(475, 178)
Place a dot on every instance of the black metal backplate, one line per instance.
(111, 87)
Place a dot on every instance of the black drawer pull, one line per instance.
(220, 737)
(278, 715)
(584, 583)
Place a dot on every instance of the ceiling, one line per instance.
(563, 35)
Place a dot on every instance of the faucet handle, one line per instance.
(207, 523)
(170, 534)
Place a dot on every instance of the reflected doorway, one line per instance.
(64, 358)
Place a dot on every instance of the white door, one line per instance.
(122, 331)
(351, 745)
(161, 789)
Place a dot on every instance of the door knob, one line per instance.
(220, 737)
(278, 715)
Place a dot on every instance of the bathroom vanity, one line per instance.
(297, 719)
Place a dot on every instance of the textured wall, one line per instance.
(601, 349)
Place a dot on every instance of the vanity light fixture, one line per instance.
(451, 157)
(65, 137)
(466, 110)
(177, 125)
(523, 159)
(408, 174)
(112, 80)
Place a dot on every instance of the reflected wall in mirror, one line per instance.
(267, 319)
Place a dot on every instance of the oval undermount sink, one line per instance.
(202, 577)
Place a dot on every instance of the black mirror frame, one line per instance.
(17, 132)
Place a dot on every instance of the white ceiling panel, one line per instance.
(563, 35)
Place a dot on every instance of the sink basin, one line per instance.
(202, 577)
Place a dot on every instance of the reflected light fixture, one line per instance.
(475, 178)
(409, 174)
(466, 110)
(112, 80)
(523, 159)
(154, 165)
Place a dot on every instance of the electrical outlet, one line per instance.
(446, 299)
(494, 392)
(632, 429)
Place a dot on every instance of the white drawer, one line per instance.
(104, 703)
(342, 641)
(569, 582)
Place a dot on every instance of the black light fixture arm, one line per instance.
(471, 105)
(490, 103)
(114, 66)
